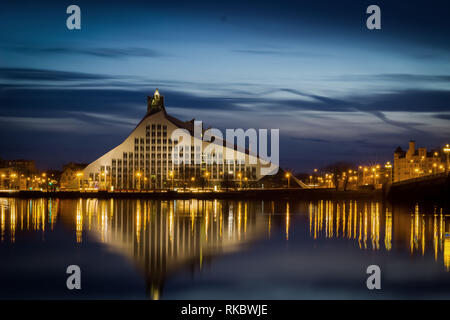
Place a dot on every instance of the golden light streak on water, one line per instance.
(388, 231)
(239, 219)
(138, 221)
(79, 222)
(310, 214)
(287, 221)
(245, 217)
(12, 222)
(447, 253)
(338, 219)
(3, 223)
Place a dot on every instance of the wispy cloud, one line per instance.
(279, 52)
(98, 51)
(109, 118)
(48, 75)
(442, 116)
(61, 125)
(408, 77)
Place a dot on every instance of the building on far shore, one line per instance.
(415, 163)
(71, 176)
(16, 174)
(144, 159)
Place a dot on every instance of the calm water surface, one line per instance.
(201, 249)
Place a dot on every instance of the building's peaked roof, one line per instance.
(155, 104)
(188, 125)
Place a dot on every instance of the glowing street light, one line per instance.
(288, 177)
(388, 166)
(171, 177)
(207, 179)
(446, 150)
(138, 175)
(79, 175)
(1, 182)
(12, 177)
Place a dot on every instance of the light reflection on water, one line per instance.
(164, 236)
(365, 222)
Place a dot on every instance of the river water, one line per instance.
(222, 249)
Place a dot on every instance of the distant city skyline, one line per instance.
(336, 91)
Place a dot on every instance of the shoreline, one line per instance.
(278, 194)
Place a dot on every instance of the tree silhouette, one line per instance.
(339, 171)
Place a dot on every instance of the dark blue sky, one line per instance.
(336, 90)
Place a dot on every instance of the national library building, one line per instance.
(144, 160)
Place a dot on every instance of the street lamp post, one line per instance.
(138, 174)
(388, 166)
(79, 175)
(12, 182)
(44, 178)
(349, 179)
(288, 177)
(447, 152)
(207, 179)
(315, 177)
(240, 180)
(359, 174)
(103, 174)
(229, 173)
(171, 177)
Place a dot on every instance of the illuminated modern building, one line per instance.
(416, 162)
(144, 159)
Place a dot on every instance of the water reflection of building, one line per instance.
(160, 236)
